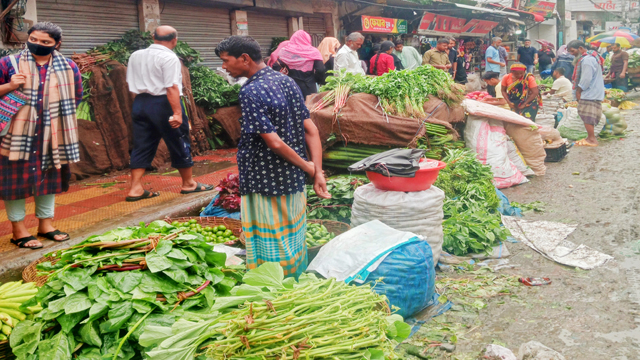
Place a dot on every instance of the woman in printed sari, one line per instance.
(521, 91)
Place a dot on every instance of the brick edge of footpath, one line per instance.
(13, 262)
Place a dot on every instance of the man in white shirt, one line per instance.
(155, 76)
(561, 85)
(347, 56)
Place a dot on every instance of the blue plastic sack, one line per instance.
(545, 73)
(218, 211)
(408, 278)
(505, 207)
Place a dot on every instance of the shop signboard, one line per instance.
(376, 24)
(433, 24)
(602, 5)
(543, 8)
(477, 27)
(616, 25)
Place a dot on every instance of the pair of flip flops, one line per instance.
(22, 242)
(148, 194)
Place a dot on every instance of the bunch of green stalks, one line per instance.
(326, 319)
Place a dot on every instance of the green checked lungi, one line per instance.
(274, 228)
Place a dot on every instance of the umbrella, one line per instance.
(546, 43)
(623, 42)
(622, 36)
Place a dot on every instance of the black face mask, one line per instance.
(40, 50)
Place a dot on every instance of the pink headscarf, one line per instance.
(299, 54)
(274, 55)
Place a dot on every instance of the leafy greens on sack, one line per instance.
(472, 222)
(338, 208)
(104, 291)
(404, 92)
(282, 318)
(210, 90)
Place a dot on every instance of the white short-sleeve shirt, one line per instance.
(153, 70)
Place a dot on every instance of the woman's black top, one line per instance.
(307, 80)
(397, 62)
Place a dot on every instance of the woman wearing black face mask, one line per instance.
(42, 138)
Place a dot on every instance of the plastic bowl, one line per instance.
(425, 177)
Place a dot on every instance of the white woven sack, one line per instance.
(418, 212)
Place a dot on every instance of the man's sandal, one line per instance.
(22, 243)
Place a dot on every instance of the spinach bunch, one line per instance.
(210, 90)
(101, 293)
(472, 222)
(338, 208)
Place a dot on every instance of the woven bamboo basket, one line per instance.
(5, 351)
(232, 224)
(30, 273)
(335, 227)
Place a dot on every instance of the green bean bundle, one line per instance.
(317, 320)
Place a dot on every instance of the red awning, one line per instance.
(536, 17)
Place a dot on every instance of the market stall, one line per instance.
(472, 35)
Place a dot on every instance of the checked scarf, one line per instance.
(59, 123)
(577, 69)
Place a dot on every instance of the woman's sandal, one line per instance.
(21, 243)
(52, 235)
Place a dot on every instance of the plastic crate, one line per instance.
(556, 154)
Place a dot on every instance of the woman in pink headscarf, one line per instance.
(274, 55)
(303, 62)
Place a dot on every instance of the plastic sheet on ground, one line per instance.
(549, 239)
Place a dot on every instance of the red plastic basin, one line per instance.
(425, 177)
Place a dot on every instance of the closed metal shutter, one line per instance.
(202, 27)
(89, 23)
(315, 26)
(263, 28)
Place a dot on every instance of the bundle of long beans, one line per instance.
(318, 320)
(437, 140)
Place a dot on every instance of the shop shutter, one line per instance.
(89, 23)
(263, 28)
(202, 27)
(315, 26)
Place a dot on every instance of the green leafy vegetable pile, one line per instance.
(338, 208)
(101, 293)
(279, 318)
(120, 50)
(472, 221)
(404, 92)
(548, 82)
(210, 90)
